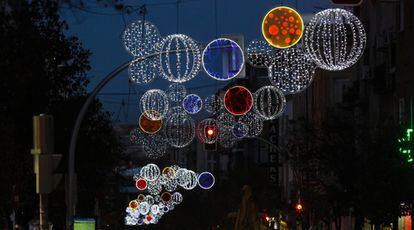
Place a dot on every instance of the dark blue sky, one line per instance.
(101, 33)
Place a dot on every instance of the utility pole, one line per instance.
(45, 162)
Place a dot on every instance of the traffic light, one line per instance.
(347, 2)
(406, 146)
(299, 207)
(45, 162)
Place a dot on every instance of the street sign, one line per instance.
(84, 224)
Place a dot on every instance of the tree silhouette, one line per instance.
(44, 71)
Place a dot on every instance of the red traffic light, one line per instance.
(299, 207)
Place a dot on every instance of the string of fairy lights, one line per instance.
(291, 51)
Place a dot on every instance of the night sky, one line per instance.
(100, 30)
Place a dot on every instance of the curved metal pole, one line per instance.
(71, 206)
(70, 210)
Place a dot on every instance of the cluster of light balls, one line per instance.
(333, 40)
(161, 186)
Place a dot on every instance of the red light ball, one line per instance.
(141, 184)
(238, 100)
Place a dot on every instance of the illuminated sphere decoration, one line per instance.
(191, 179)
(192, 103)
(240, 130)
(259, 53)
(136, 136)
(140, 38)
(155, 146)
(150, 172)
(180, 58)
(238, 100)
(166, 197)
(254, 123)
(170, 185)
(225, 121)
(177, 198)
(176, 92)
(292, 70)
(148, 125)
(141, 184)
(133, 204)
(179, 130)
(335, 39)
(181, 176)
(168, 173)
(154, 188)
(226, 138)
(154, 103)
(223, 59)
(213, 104)
(269, 102)
(207, 131)
(282, 27)
(206, 180)
(142, 71)
(144, 208)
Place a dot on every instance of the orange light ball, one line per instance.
(148, 125)
(280, 33)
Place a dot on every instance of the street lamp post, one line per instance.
(71, 204)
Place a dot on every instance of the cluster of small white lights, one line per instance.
(154, 145)
(176, 92)
(141, 38)
(269, 102)
(335, 39)
(213, 104)
(179, 129)
(292, 70)
(260, 53)
(254, 123)
(143, 71)
(148, 209)
(154, 103)
(180, 58)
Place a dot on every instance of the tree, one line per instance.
(345, 166)
(45, 71)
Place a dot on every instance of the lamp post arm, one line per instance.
(71, 206)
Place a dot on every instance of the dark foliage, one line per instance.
(44, 71)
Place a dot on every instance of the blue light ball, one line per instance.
(192, 103)
(206, 180)
(223, 59)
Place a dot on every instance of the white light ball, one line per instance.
(292, 70)
(144, 208)
(260, 53)
(181, 176)
(177, 198)
(191, 180)
(150, 172)
(154, 187)
(143, 71)
(176, 92)
(335, 39)
(180, 58)
(179, 130)
(154, 146)
(140, 38)
(254, 123)
(269, 102)
(213, 104)
(154, 103)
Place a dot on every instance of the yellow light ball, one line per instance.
(282, 27)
